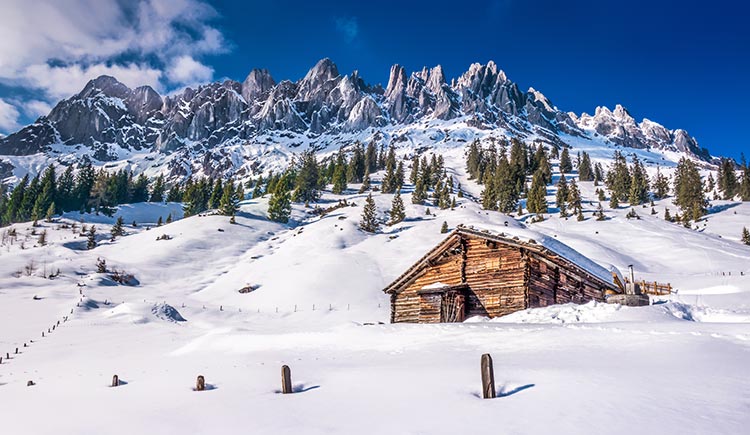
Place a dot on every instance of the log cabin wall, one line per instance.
(554, 282)
(496, 277)
(405, 307)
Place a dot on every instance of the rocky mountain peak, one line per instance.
(257, 83)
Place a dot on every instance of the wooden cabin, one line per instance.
(476, 273)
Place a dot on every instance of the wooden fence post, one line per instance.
(488, 377)
(200, 384)
(16, 351)
(115, 381)
(286, 380)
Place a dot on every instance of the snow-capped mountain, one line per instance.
(190, 132)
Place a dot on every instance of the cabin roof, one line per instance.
(549, 248)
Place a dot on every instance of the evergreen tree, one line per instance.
(667, 216)
(420, 194)
(339, 175)
(160, 222)
(489, 194)
(365, 182)
(661, 185)
(117, 229)
(65, 198)
(280, 204)
(536, 202)
(140, 189)
(473, 160)
(369, 220)
(600, 195)
(229, 203)
(216, 193)
(174, 194)
(506, 185)
(84, 183)
(744, 189)
(91, 239)
(14, 208)
(157, 192)
(599, 213)
(566, 166)
(689, 195)
(727, 179)
(258, 189)
(306, 183)
(50, 212)
(42, 240)
(414, 169)
(390, 181)
(444, 228)
(618, 178)
(562, 194)
(397, 212)
(169, 218)
(47, 191)
(574, 198)
(638, 193)
(398, 179)
(371, 157)
(745, 236)
(585, 171)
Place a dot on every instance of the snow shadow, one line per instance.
(504, 391)
(120, 384)
(300, 388)
(208, 387)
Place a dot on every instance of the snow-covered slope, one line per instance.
(235, 302)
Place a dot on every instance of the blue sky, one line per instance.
(682, 64)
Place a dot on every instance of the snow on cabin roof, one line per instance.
(544, 245)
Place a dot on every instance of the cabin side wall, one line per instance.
(553, 283)
(405, 306)
(496, 275)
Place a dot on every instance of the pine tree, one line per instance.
(745, 236)
(91, 239)
(574, 198)
(667, 216)
(598, 173)
(306, 183)
(50, 212)
(229, 203)
(414, 174)
(489, 194)
(280, 204)
(618, 178)
(157, 192)
(160, 222)
(117, 229)
(216, 192)
(566, 166)
(727, 179)
(562, 194)
(585, 171)
(397, 212)
(689, 195)
(420, 194)
(614, 203)
(444, 228)
(638, 193)
(600, 195)
(369, 220)
(390, 181)
(660, 184)
(537, 202)
(506, 185)
(169, 218)
(42, 241)
(599, 213)
(365, 182)
(339, 175)
(139, 192)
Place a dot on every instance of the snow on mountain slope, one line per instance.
(314, 301)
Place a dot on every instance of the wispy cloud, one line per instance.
(141, 42)
(348, 28)
(8, 116)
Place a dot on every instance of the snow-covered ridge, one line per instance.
(200, 130)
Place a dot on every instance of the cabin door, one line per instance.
(452, 307)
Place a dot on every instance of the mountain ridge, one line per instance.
(107, 115)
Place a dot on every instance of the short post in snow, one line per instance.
(200, 384)
(115, 381)
(488, 377)
(16, 351)
(286, 380)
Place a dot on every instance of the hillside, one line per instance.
(677, 366)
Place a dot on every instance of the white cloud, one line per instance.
(348, 27)
(187, 71)
(64, 81)
(36, 108)
(8, 116)
(56, 46)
